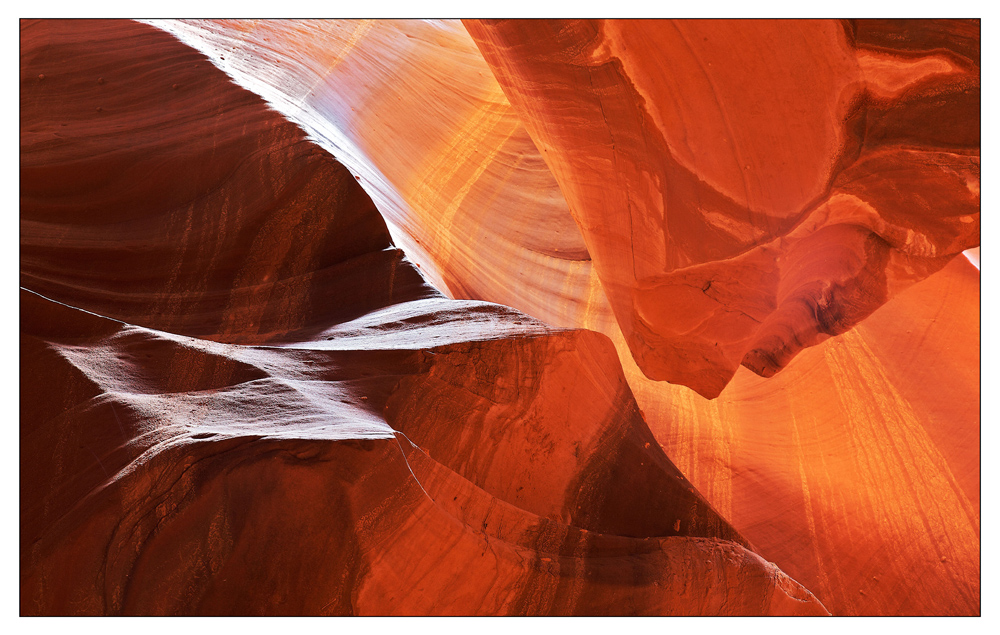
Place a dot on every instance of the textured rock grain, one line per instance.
(238, 398)
(784, 485)
(747, 189)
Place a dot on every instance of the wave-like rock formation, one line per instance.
(857, 469)
(413, 110)
(238, 397)
(747, 189)
(810, 463)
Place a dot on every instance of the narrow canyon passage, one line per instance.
(328, 318)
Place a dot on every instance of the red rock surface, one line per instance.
(237, 397)
(413, 110)
(747, 189)
(790, 460)
(855, 469)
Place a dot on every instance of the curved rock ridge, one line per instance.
(788, 460)
(162, 467)
(747, 189)
(857, 469)
(413, 110)
(180, 220)
(237, 397)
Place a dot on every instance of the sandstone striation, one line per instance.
(856, 469)
(413, 110)
(239, 398)
(224, 353)
(811, 464)
(747, 189)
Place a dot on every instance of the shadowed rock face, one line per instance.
(856, 469)
(156, 155)
(790, 460)
(747, 189)
(237, 397)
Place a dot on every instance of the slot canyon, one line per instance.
(499, 317)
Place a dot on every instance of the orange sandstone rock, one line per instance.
(735, 448)
(238, 397)
(259, 483)
(847, 469)
(413, 110)
(857, 468)
(749, 188)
